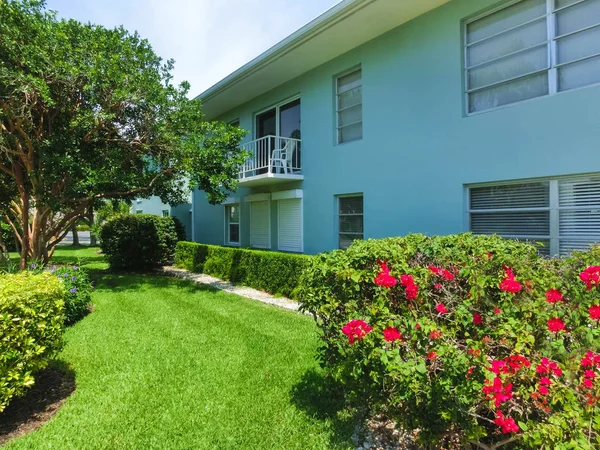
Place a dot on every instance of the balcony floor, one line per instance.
(265, 179)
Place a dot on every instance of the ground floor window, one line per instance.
(232, 226)
(350, 219)
(561, 214)
(165, 213)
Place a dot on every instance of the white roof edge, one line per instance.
(309, 30)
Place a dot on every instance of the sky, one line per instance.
(208, 39)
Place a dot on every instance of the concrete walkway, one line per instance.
(226, 286)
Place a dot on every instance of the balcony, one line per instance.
(273, 159)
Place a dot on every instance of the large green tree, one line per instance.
(89, 113)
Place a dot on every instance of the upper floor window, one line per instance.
(531, 48)
(349, 107)
(561, 214)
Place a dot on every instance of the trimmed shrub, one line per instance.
(78, 292)
(274, 272)
(31, 326)
(138, 242)
(470, 335)
(179, 228)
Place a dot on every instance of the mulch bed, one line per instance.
(52, 387)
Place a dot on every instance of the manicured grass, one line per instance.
(166, 364)
(84, 255)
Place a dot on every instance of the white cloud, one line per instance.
(207, 38)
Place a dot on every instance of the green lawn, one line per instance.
(166, 364)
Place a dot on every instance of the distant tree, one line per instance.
(88, 113)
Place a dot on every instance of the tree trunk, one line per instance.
(93, 241)
(74, 234)
(25, 245)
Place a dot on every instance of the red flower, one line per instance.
(418, 326)
(469, 371)
(589, 374)
(543, 390)
(590, 359)
(553, 296)
(555, 325)
(435, 334)
(546, 366)
(441, 308)
(490, 256)
(355, 330)
(595, 312)
(496, 391)
(412, 290)
(510, 364)
(432, 356)
(477, 320)
(437, 286)
(384, 278)
(588, 383)
(545, 381)
(392, 334)
(507, 424)
(591, 277)
(509, 284)
(497, 311)
(446, 274)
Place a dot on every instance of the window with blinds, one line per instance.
(561, 214)
(350, 220)
(530, 48)
(232, 226)
(349, 107)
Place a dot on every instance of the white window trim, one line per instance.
(337, 104)
(338, 233)
(553, 64)
(301, 222)
(554, 206)
(227, 231)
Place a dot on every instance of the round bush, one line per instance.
(138, 242)
(470, 335)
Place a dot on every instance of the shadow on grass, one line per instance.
(323, 399)
(23, 415)
(123, 282)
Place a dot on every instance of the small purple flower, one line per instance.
(65, 275)
(33, 266)
(72, 291)
(74, 267)
(73, 278)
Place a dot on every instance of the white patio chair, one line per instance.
(283, 158)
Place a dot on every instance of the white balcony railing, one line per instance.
(272, 156)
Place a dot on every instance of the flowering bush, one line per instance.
(480, 336)
(78, 292)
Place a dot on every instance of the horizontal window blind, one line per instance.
(561, 215)
(351, 220)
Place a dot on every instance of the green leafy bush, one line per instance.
(78, 292)
(138, 242)
(7, 237)
(179, 228)
(274, 272)
(474, 335)
(31, 326)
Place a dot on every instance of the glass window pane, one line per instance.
(234, 233)
(511, 92)
(579, 74)
(351, 224)
(346, 240)
(562, 3)
(505, 18)
(527, 195)
(510, 67)
(349, 81)
(350, 133)
(350, 98)
(580, 45)
(351, 205)
(350, 116)
(289, 120)
(567, 246)
(512, 224)
(577, 17)
(524, 37)
(234, 214)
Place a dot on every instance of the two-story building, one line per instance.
(387, 117)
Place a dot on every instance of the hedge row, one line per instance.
(31, 326)
(277, 273)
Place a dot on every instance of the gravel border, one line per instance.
(242, 291)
